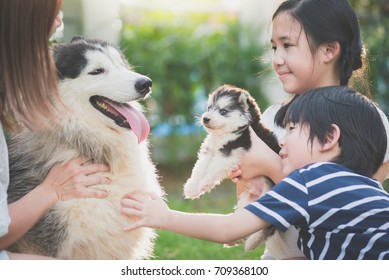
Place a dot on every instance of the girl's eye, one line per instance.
(97, 71)
(223, 112)
(286, 45)
(274, 48)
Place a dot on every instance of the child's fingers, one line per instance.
(235, 173)
(133, 226)
(131, 212)
(136, 195)
(131, 203)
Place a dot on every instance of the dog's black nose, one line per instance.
(206, 120)
(143, 85)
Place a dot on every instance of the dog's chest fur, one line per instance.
(101, 91)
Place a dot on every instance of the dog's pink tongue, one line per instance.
(136, 119)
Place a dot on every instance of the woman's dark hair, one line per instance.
(363, 140)
(325, 21)
(28, 79)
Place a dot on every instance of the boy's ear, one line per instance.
(330, 51)
(332, 139)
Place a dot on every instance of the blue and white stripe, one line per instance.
(340, 214)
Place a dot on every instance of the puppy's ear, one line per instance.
(77, 38)
(243, 99)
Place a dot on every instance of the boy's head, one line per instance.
(362, 139)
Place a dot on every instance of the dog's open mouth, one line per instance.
(124, 115)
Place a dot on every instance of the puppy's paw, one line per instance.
(258, 238)
(254, 240)
(192, 190)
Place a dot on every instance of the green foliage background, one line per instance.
(189, 57)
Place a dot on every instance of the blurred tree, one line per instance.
(189, 57)
(374, 21)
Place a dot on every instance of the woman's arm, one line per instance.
(64, 181)
(153, 212)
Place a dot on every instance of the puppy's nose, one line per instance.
(206, 120)
(143, 85)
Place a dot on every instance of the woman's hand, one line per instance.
(150, 210)
(75, 179)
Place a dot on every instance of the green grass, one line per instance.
(172, 246)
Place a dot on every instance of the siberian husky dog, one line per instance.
(230, 113)
(105, 125)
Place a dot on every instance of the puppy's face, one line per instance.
(227, 111)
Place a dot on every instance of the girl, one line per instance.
(339, 211)
(316, 43)
(28, 92)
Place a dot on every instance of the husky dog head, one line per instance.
(95, 77)
(230, 109)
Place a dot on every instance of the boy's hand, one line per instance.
(149, 208)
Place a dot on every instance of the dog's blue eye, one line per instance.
(223, 112)
(97, 71)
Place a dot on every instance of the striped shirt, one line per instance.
(339, 214)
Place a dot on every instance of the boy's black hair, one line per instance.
(363, 139)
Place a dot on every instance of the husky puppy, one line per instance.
(105, 125)
(230, 113)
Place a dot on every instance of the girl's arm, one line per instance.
(153, 212)
(63, 182)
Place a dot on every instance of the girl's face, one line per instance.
(297, 68)
(296, 149)
(57, 23)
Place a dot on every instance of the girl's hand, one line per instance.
(235, 174)
(75, 179)
(150, 210)
(259, 160)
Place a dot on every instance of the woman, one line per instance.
(30, 100)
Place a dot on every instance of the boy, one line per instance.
(328, 153)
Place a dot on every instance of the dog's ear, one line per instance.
(243, 99)
(77, 38)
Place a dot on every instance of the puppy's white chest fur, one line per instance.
(229, 114)
(212, 165)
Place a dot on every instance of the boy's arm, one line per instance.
(153, 212)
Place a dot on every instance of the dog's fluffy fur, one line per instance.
(230, 113)
(101, 91)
